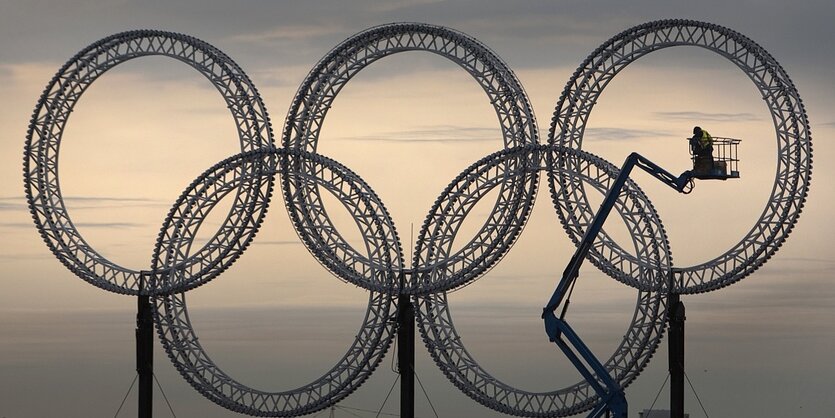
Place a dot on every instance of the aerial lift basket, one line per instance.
(725, 164)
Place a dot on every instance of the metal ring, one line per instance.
(436, 268)
(171, 315)
(326, 80)
(43, 141)
(649, 319)
(794, 162)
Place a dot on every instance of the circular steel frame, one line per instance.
(43, 141)
(437, 269)
(648, 321)
(315, 97)
(174, 326)
(794, 146)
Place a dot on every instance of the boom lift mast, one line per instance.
(613, 399)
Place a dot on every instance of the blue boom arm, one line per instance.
(558, 330)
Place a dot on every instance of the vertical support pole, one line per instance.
(676, 355)
(145, 355)
(406, 355)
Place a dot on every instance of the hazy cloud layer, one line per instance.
(12, 204)
(562, 32)
(438, 134)
(808, 259)
(26, 256)
(17, 203)
(276, 242)
(17, 225)
(288, 33)
(712, 117)
(617, 134)
(114, 225)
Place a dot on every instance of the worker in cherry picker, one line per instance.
(701, 146)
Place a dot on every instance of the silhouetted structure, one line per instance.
(378, 265)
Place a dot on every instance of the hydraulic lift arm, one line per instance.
(558, 330)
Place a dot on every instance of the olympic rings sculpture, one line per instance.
(378, 267)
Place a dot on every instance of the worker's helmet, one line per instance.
(697, 130)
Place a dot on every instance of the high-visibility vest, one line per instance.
(706, 141)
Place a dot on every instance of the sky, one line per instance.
(408, 125)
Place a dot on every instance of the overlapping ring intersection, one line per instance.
(248, 178)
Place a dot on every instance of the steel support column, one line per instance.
(145, 355)
(406, 356)
(676, 355)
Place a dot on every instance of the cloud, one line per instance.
(90, 202)
(288, 33)
(29, 72)
(19, 225)
(603, 134)
(397, 5)
(106, 199)
(705, 116)
(277, 242)
(439, 134)
(556, 33)
(12, 203)
(808, 259)
(16, 257)
(115, 225)
(163, 75)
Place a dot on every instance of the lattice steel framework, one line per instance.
(516, 118)
(178, 266)
(648, 321)
(43, 141)
(375, 334)
(794, 146)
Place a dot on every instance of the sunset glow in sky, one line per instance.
(408, 124)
